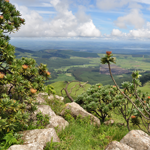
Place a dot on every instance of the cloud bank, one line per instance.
(64, 24)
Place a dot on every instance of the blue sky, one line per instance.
(84, 19)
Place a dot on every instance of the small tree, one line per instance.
(140, 101)
(99, 100)
(24, 75)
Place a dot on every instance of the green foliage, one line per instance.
(24, 75)
(12, 114)
(41, 123)
(92, 75)
(144, 79)
(107, 59)
(50, 89)
(12, 138)
(99, 100)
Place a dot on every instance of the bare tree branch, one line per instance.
(68, 94)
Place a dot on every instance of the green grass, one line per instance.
(129, 62)
(145, 88)
(63, 77)
(58, 86)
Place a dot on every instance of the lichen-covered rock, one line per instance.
(36, 139)
(115, 145)
(137, 139)
(77, 110)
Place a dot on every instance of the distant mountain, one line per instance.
(23, 50)
(87, 46)
(19, 52)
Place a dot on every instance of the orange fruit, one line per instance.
(48, 73)
(1, 17)
(24, 66)
(133, 117)
(33, 91)
(1, 76)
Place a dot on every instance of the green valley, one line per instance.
(68, 65)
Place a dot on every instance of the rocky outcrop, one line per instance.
(77, 110)
(51, 97)
(137, 139)
(41, 97)
(115, 145)
(36, 139)
(134, 140)
(54, 120)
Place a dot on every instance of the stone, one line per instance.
(51, 97)
(57, 121)
(77, 110)
(121, 124)
(54, 119)
(36, 139)
(41, 97)
(137, 139)
(111, 121)
(115, 145)
(134, 140)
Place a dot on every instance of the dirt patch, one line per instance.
(68, 74)
(114, 69)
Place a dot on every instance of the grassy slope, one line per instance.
(81, 135)
(146, 87)
(58, 86)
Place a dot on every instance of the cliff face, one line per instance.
(114, 69)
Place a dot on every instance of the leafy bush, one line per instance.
(99, 100)
(23, 75)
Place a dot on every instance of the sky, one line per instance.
(84, 19)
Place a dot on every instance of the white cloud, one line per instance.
(140, 34)
(111, 4)
(116, 32)
(143, 33)
(64, 24)
(134, 18)
(134, 5)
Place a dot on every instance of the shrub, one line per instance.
(99, 100)
(24, 75)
